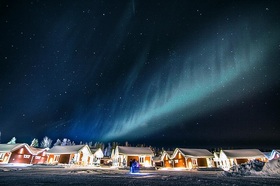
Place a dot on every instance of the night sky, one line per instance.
(165, 73)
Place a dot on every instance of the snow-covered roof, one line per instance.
(94, 150)
(195, 152)
(244, 153)
(168, 153)
(10, 147)
(66, 149)
(36, 150)
(134, 150)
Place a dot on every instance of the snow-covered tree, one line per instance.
(73, 143)
(46, 143)
(64, 142)
(12, 141)
(57, 143)
(109, 149)
(68, 143)
(34, 143)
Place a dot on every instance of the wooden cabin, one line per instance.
(166, 159)
(230, 157)
(192, 158)
(123, 155)
(39, 156)
(15, 153)
(75, 154)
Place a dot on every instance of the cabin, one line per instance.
(97, 155)
(192, 158)
(75, 154)
(230, 157)
(15, 153)
(39, 156)
(166, 159)
(124, 154)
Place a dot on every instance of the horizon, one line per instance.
(203, 73)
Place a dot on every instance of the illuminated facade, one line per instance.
(166, 159)
(21, 153)
(227, 158)
(123, 155)
(75, 154)
(192, 158)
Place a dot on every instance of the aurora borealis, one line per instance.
(203, 73)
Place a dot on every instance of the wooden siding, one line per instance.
(21, 155)
(179, 161)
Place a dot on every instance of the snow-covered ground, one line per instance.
(57, 175)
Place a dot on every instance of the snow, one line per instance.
(244, 153)
(134, 150)
(53, 175)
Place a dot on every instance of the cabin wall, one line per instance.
(40, 158)
(21, 155)
(64, 158)
(167, 162)
(179, 161)
(202, 162)
(5, 157)
(136, 158)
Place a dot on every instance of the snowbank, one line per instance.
(271, 168)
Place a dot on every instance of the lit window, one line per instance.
(176, 161)
(37, 157)
(21, 151)
(26, 156)
(2, 156)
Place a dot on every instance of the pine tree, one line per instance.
(57, 143)
(34, 143)
(12, 141)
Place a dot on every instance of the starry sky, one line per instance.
(165, 73)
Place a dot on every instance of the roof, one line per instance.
(10, 147)
(196, 152)
(243, 153)
(135, 150)
(66, 149)
(36, 150)
(157, 159)
(168, 153)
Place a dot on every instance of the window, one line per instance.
(26, 156)
(2, 156)
(176, 161)
(141, 159)
(37, 157)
